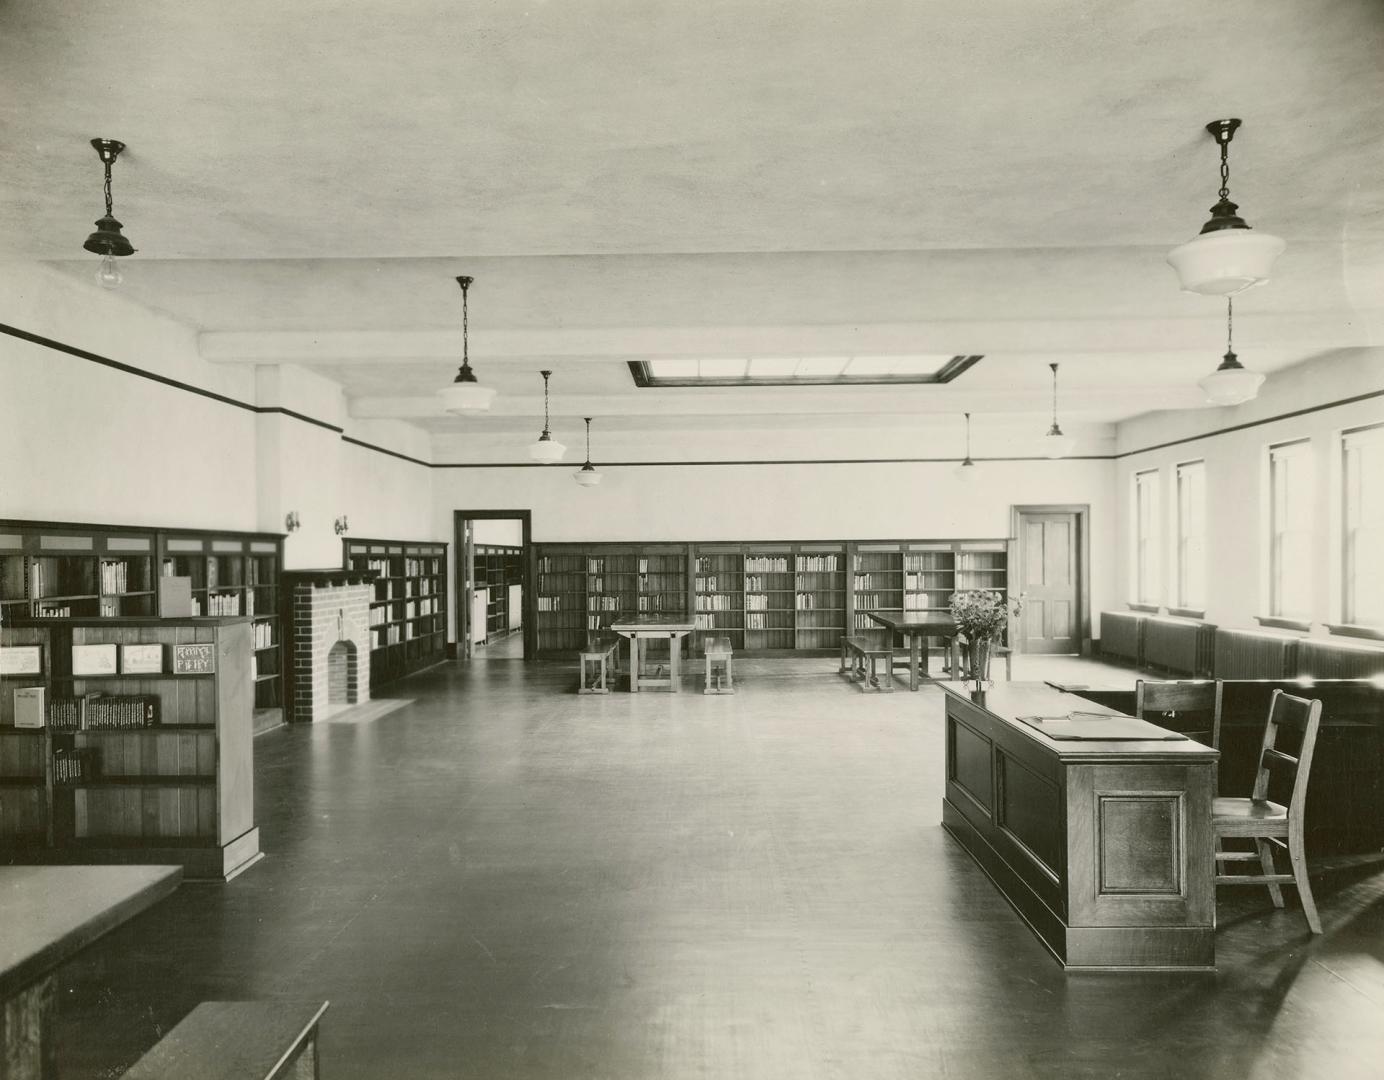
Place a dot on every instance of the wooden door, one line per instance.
(1049, 558)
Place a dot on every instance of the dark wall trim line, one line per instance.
(298, 416)
(176, 384)
(1255, 423)
(382, 450)
(803, 461)
(105, 361)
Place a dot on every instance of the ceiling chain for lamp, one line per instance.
(1055, 444)
(546, 449)
(466, 394)
(1232, 383)
(107, 241)
(1227, 257)
(967, 469)
(587, 476)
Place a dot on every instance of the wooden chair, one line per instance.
(1269, 823)
(1161, 702)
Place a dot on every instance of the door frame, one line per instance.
(1083, 559)
(461, 574)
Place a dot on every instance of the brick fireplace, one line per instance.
(329, 641)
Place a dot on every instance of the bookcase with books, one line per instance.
(662, 584)
(73, 570)
(560, 598)
(768, 598)
(408, 616)
(495, 567)
(129, 740)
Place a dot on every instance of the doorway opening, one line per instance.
(494, 597)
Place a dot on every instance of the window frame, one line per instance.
(645, 379)
(1146, 556)
(1185, 603)
(1351, 621)
(1285, 453)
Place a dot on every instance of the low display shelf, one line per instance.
(408, 616)
(137, 765)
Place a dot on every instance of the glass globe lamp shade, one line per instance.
(966, 471)
(1057, 445)
(587, 476)
(466, 397)
(1225, 262)
(546, 450)
(1231, 385)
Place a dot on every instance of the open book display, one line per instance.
(1099, 727)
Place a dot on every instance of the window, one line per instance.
(1362, 532)
(1147, 580)
(807, 371)
(1290, 531)
(1191, 536)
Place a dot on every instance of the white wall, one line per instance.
(1236, 480)
(81, 441)
(507, 531)
(789, 502)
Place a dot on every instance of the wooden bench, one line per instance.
(238, 1040)
(717, 651)
(858, 654)
(601, 652)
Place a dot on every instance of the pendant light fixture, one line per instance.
(1228, 257)
(546, 449)
(587, 476)
(107, 240)
(465, 395)
(1232, 383)
(967, 469)
(1055, 444)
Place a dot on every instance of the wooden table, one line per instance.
(1104, 847)
(916, 626)
(645, 628)
(50, 913)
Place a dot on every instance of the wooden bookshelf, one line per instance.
(133, 768)
(408, 616)
(495, 567)
(768, 598)
(71, 570)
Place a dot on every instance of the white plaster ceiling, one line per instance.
(748, 177)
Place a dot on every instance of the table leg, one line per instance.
(917, 656)
(27, 1048)
(634, 663)
(956, 659)
(674, 659)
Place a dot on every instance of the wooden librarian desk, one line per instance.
(1103, 846)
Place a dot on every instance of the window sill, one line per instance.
(1151, 609)
(1374, 633)
(1187, 613)
(1277, 623)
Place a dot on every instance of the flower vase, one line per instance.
(980, 668)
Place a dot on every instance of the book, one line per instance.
(29, 708)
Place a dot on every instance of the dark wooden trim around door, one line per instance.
(459, 575)
(1083, 561)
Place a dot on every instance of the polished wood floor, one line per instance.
(498, 878)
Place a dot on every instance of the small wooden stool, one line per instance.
(717, 651)
(598, 652)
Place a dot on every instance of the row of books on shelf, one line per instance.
(73, 766)
(219, 604)
(713, 602)
(54, 611)
(807, 601)
(755, 583)
(710, 583)
(670, 603)
(115, 576)
(818, 564)
(602, 603)
(766, 564)
(264, 635)
(419, 567)
(58, 579)
(550, 603)
(416, 609)
(90, 712)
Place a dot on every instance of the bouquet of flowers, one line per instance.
(981, 617)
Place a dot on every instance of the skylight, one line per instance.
(799, 371)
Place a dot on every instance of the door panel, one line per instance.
(1049, 552)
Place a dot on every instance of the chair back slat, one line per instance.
(1297, 714)
(1156, 701)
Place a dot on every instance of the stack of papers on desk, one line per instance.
(1099, 727)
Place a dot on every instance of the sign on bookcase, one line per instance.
(194, 659)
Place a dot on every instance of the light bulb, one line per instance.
(108, 274)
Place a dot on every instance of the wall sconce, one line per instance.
(341, 525)
(291, 522)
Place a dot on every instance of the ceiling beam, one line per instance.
(1025, 336)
